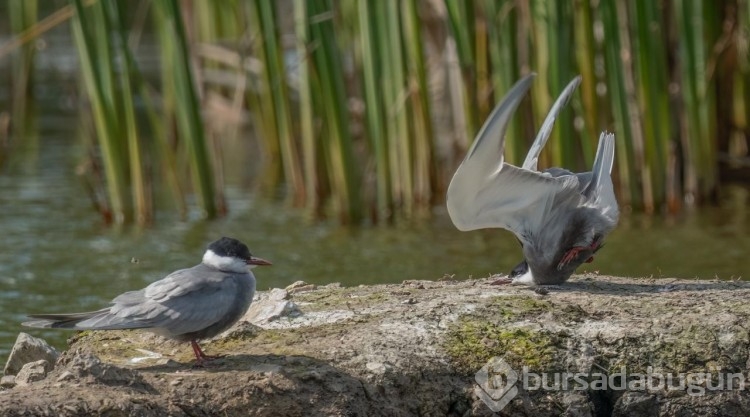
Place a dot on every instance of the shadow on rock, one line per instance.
(593, 286)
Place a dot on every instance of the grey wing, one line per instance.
(517, 200)
(483, 160)
(600, 190)
(486, 152)
(185, 301)
(182, 303)
(486, 192)
(532, 158)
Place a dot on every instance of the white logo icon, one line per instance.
(497, 384)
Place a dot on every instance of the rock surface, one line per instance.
(32, 372)
(8, 381)
(417, 349)
(29, 349)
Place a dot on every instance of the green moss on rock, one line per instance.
(514, 307)
(470, 344)
(517, 307)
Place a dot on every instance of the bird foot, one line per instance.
(206, 361)
(201, 359)
(570, 255)
(573, 252)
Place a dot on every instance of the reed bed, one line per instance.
(364, 108)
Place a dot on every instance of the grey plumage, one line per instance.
(187, 305)
(560, 217)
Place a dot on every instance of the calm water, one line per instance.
(57, 256)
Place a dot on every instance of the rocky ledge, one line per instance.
(595, 346)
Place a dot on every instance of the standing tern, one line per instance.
(187, 305)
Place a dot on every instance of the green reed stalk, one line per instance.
(652, 87)
(275, 73)
(420, 103)
(744, 64)
(91, 34)
(543, 63)
(143, 210)
(217, 21)
(163, 123)
(697, 95)
(553, 26)
(481, 70)
(372, 28)
(711, 12)
(628, 191)
(345, 181)
(187, 105)
(261, 106)
(565, 70)
(395, 104)
(586, 52)
(22, 16)
(392, 88)
(163, 151)
(310, 164)
(461, 15)
(503, 54)
(690, 73)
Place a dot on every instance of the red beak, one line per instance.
(257, 261)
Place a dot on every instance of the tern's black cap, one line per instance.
(227, 246)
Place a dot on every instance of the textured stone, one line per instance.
(8, 381)
(29, 349)
(32, 372)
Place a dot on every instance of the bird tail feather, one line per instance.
(90, 320)
(605, 156)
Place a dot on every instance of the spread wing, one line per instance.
(486, 192)
(549, 122)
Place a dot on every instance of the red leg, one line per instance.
(572, 253)
(200, 357)
(197, 350)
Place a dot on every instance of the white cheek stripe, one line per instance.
(224, 263)
(526, 278)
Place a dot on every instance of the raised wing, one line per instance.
(486, 192)
(532, 158)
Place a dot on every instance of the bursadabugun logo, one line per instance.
(498, 383)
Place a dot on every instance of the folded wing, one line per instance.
(176, 303)
(182, 304)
